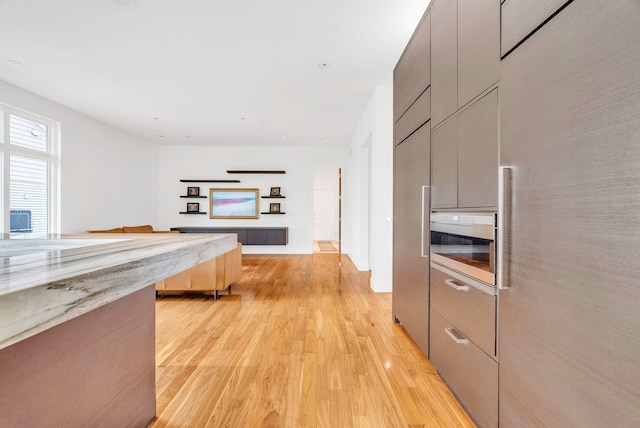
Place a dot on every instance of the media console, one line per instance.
(246, 235)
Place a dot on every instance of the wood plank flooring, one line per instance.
(300, 342)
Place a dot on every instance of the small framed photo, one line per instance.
(274, 208)
(193, 191)
(275, 191)
(193, 207)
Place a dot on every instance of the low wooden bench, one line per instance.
(209, 277)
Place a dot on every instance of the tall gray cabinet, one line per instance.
(410, 258)
(412, 134)
(464, 178)
(536, 114)
(570, 311)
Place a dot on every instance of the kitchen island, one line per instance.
(77, 324)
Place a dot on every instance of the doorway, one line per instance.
(327, 206)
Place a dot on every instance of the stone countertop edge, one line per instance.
(38, 292)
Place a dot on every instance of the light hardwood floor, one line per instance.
(300, 342)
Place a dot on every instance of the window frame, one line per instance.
(52, 156)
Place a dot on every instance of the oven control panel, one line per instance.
(488, 219)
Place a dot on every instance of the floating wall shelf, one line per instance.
(273, 197)
(191, 212)
(242, 171)
(210, 181)
(187, 196)
(279, 212)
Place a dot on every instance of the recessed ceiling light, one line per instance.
(324, 65)
(14, 62)
(125, 3)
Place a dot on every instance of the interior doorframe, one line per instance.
(338, 192)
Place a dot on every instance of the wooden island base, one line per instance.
(95, 370)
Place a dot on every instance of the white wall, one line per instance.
(109, 177)
(357, 204)
(180, 162)
(371, 167)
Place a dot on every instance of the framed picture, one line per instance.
(234, 203)
(193, 207)
(193, 191)
(274, 208)
(275, 191)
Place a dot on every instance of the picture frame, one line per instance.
(274, 207)
(193, 207)
(275, 191)
(233, 203)
(193, 191)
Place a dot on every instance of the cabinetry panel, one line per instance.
(277, 236)
(521, 17)
(569, 324)
(412, 74)
(444, 165)
(246, 235)
(471, 374)
(469, 309)
(418, 114)
(444, 59)
(478, 153)
(478, 47)
(411, 211)
(256, 237)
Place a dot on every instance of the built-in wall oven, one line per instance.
(465, 243)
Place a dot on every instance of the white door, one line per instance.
(325, 215)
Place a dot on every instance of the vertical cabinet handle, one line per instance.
(456, 336)
(504, 224)
(424, 240)
(453, 284)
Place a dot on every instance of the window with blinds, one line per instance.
(30, 164)
(28, 192)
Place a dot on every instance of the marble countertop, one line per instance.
(47, 280)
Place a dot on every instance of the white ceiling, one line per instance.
(210, 72)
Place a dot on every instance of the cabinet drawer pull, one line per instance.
(453, 284)
(456, 336)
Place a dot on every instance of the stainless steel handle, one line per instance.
(425, 210)
(504, 217)
(453, 284)
(456, 336)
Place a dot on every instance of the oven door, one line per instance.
(466, 246)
